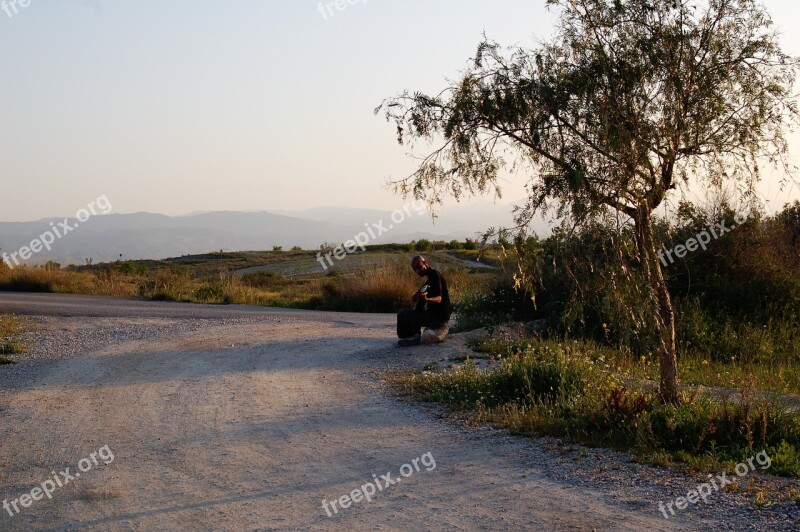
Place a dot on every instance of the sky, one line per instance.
(186, 106)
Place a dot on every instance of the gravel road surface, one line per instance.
(244, 418)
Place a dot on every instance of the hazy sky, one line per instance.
(180, 106)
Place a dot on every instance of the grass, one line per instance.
(9, 327)
(593, 395)
(384, 288)
(717, 350)
(376, 281)
(48, 279)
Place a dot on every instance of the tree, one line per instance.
(625, 103)
(423, 245)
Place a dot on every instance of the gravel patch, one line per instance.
(602, 473)
(50, 339)
(613, 475)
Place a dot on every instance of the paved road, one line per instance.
(69, 305)
(241, 418)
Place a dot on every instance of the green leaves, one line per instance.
(625, 94)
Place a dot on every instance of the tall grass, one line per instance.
(46, 279)
(169, 283)
(175, 284)
(384, 288)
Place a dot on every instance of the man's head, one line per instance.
(419, 265)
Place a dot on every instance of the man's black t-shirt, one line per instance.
(437, 286)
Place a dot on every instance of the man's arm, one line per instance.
(435, 289)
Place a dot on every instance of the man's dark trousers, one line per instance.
(410, 322)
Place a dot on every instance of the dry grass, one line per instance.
(383, 288)
(9, 327)
(382, 283)
(46, 279)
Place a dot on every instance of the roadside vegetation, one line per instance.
(589, 376)
(9, 327)
(376, 280)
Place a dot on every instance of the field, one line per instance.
(269, 278)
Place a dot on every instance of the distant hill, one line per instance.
(146, 235)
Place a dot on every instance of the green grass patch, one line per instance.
(578, 391)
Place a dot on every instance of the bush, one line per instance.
(737, 300)
(211, 293)
(498, 302)
(785, 459)
(423, 245)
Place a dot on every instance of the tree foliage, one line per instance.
(628, 101)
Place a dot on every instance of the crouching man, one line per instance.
(432, 309)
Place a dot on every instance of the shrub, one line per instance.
(423, 245)
(499, 302)
(211, 293)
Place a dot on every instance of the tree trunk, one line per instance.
(665, 316)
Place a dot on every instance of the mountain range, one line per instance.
(155, 236)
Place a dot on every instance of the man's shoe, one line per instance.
(406, 342)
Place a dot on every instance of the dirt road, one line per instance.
(233, 418)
